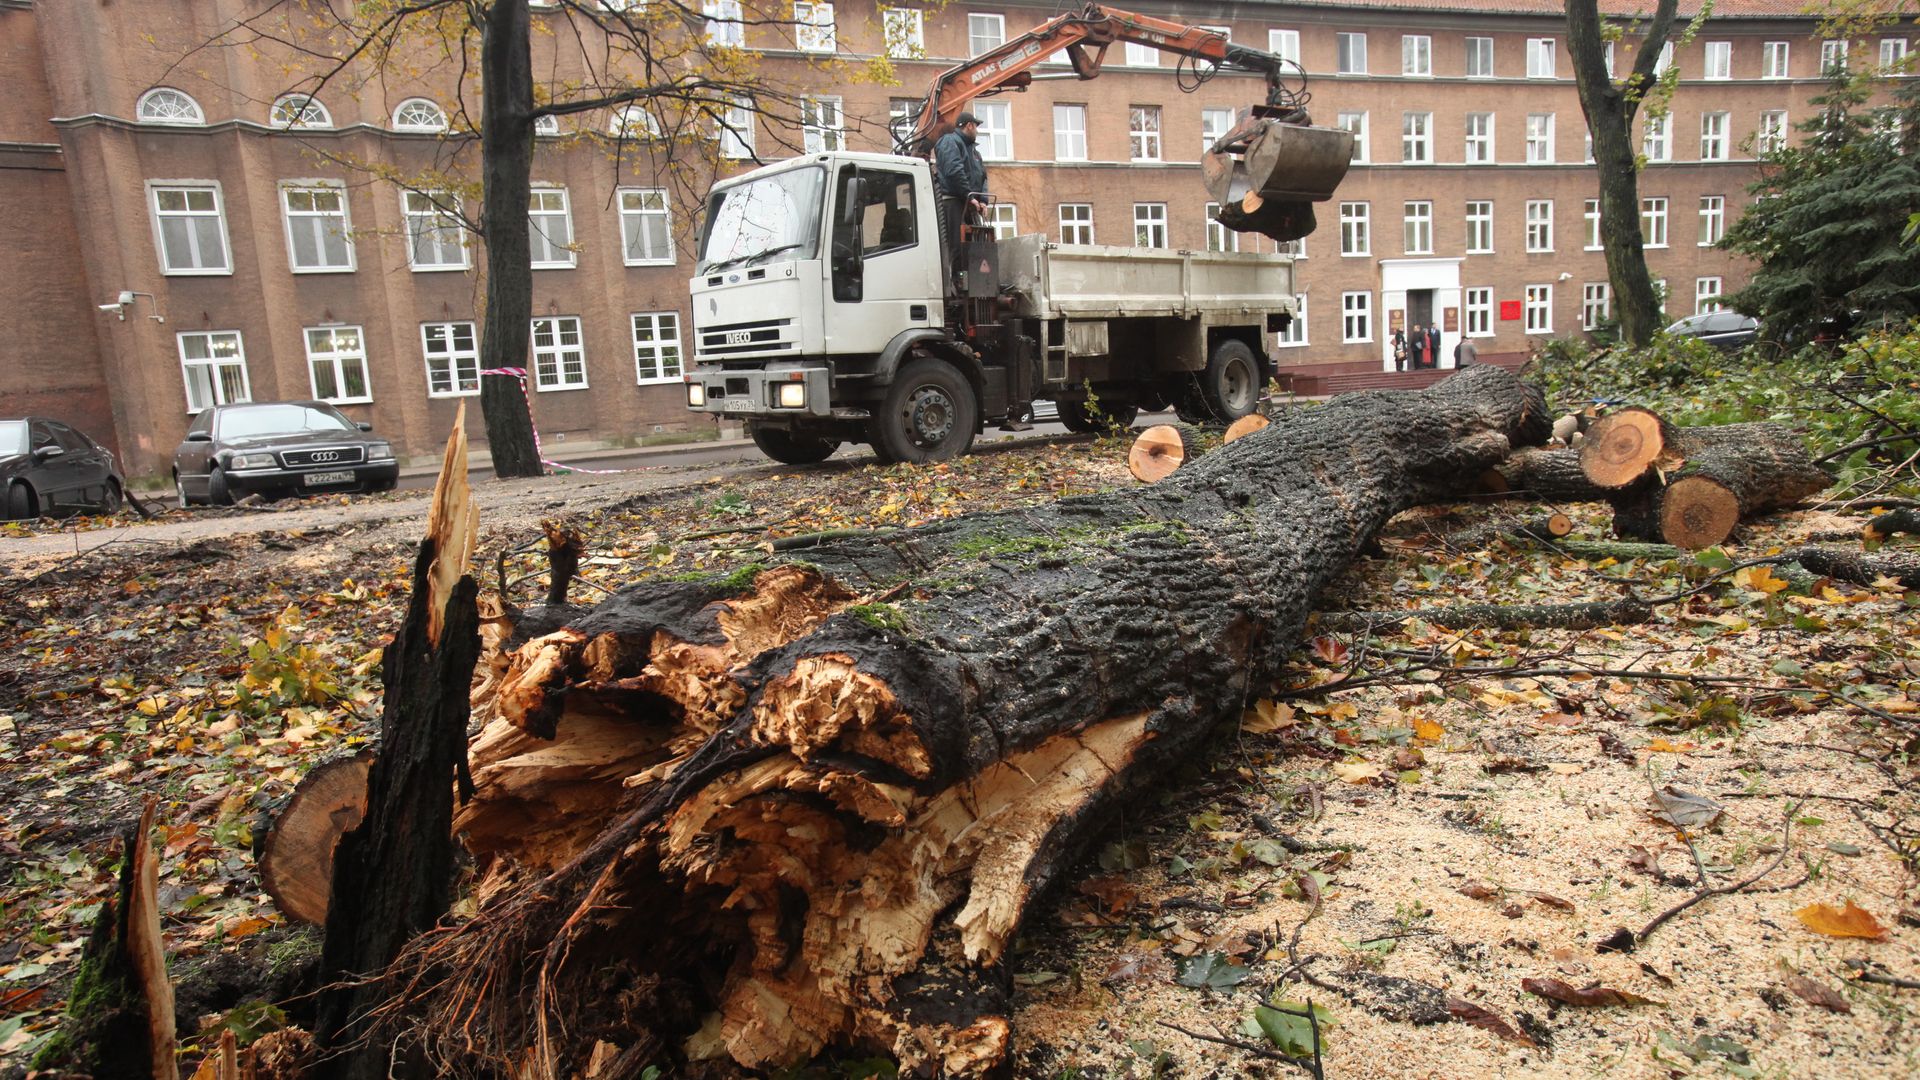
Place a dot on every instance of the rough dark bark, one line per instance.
(1858, 567)
(1544, 475)
(828, 792)
(1609, 110)
(506, 153)
(1572, 616)
(1730, 473)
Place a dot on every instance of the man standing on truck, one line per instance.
(961, 175)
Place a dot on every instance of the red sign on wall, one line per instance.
(1509, 310)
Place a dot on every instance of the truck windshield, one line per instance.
(776, 213)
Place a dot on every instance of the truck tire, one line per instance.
(1076, 417)
(1230, 385)
(791, 447)
(929, 414)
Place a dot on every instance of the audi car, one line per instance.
(48, 468)
(278, 448)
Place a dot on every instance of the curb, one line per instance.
(481, 461)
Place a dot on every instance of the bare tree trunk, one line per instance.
(506, 154)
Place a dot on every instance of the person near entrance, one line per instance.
(1465, 354)
(1399, 351)
(1435, 346)
(960, 177)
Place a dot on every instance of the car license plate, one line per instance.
(318, 478)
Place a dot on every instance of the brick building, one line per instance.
(132, 163)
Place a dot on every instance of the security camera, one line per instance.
(115, 308)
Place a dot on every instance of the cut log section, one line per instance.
(1730, 473)
(1161, 449)
(1621, 446)
(296, 850)
(1244, 427)
(1545, 475)
(815, 802)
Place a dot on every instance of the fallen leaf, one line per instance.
(1662, 746)
(1286, 1026)
(1358, 772)
(1112, 891)
(1331, 652)
(1479, 891)
(1559, 719)
(1849, 921)
(1686, 810)
(1552, 901)
(1267, 716)
(1211, 970)
(1613, 746)
(1595, 996)
(1427, 730)
(1129, 966)
(1565, 768)
(1814, 993)
(1487, 1020)
(1760, 579)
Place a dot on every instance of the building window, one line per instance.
(1713, 136)
(1479, 305)
(1608, 57)
(1893, 55)
(656, 346)
(1653, 222)
(1713, 219)
(1143, 132)
(1596, 304)
(1138, 55)
(1076, 223)
(1356, 122)
(1539, 309)
(823, 126)
(1665, 60)
(1706, 295)
(1351, 51)
(1540, 58)
(559, 356)
(165, 105)
(736, 130)
(1069, 133)
(905, 30)
(1003, 219)
(1285, 44)
(1356, 317)
(1773, 60)
(435, 240)
(1219, 237)
(1150, 224)
(813, 29)
(1719, 60)
(724, 24)
(1539, 225)
(996, 129)
(337, 364)
(902, 113)
(551, 231)
(419, 114)
(1660, 293)
(1479, 58)
(1592, 215)
(1294, 334)
(1416, 54)
(1416, 138)
(1480, 227)
(299, 111)
(1418, 228)
(1296, 248)
(215, 368)
(317, 230)
(1539, 138)
(1654, 144)
(1213, 124)
(1354, 228)
(646, 233)
(191, 229)
(1480, 138)
(546, 125)
(985, 33)
(453, 358)
(633, 121)
(1773, 131)
(1833, 57)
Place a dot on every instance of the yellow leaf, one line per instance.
(1342, 710)
(1267, 716)
(1429, 730)
(1662, 746)
(240, 928)
(1849, 921)
(1759, 579)
(148, 707)
(1358, 772)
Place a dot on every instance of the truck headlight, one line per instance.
(379, 451)
(696, 395)
(253, 461)
(793, 395)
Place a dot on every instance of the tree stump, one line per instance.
(1161, 449)
(1724, 475)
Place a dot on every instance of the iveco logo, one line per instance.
(324, 455)
(739, 337)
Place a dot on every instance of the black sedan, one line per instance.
(1726, 329)
(49, 468)
(275, 448)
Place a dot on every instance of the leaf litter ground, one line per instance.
(1408, 845)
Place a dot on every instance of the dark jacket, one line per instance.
(961, 171)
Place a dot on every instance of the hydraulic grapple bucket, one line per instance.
(1266, 174)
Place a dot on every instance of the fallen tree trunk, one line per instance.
(820, 797)
(1547, 475)
(1729, 473)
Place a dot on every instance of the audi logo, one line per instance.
(324, 455)
(739, 337)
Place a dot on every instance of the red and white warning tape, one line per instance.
(539, 452)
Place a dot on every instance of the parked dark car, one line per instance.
(50, 468)
(275, 448)
(1727, 330)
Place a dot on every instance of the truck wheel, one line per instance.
(929, 414)
(791, 447)
(1076, 417)
(1230, 386)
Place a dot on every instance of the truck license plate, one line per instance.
(318, 478)
(736, 405)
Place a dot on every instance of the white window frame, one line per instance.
(179, 108)
(1653, 221)
(414, 121)
(1075, 223)
(1356, 317)
(1656, 137)
(1219, 237)
(1714, 127)
(1350, 52)
(1590, 213)
(985, 32)
(1416, 56)
(318, 222)
(560, 251)
(338, 359)
(1833, 55)
(1479, 218)
(1538, 302)
(1294, 336)
(1707, 295)
(1480, 146)
(1596, 304)
(1893, 55)
(736, 131)
(725, 25)
(905, 31)
(1416, 138)
(1664, 61)
(558, 355)
(637, 207)
(1144, 127)
(218, 214)
(214, 384)
(1540, 138)
(1284, 44)
(1069, 131)
(1356, 122)
(1477, 311)
(1149, 223)
(1138, 55)
(1214, 122)
(1772, 134)
(633, 121)
(416, 220)
(1356, 229)
(1540, 57)
(1776, 60)
(651, 354)
(1004, 219)
(1479, 48)
(996, 130)
(299, 112)
(1713, 219)
(547, 125)
(460, 359)
(1539, 221)
(823, 124)
(813, 27)
(1416, 227)
(1609, 60)
(1717, 60)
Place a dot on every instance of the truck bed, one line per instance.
(1097, 281)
